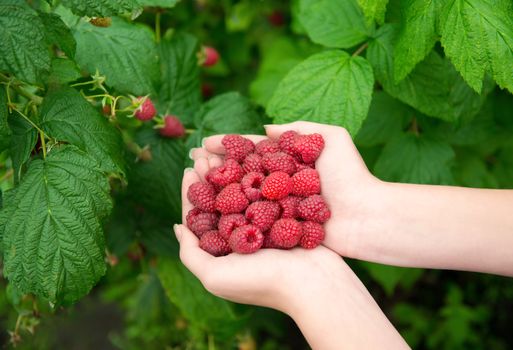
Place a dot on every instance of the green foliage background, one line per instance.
(423, 86)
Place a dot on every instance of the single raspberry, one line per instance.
(267, 146)
(309, 147)
(246, 239)
(286, 142)
(231, 199)
(211, 56)
(279, 161)
(251, 185)
(276, 18)
(214, 244)
(263, 214)
(207, 90)
(173, 127)
(314, 208)
(237, 147)
(203, 196)
(302, 166)
(253, 162)
(286, 233)
(269, 243)
(313, 235)
(277, 185)
(145, 110)
(289, 206)
(226, 174)
(200, 222)
(228, 223)
(306, 183)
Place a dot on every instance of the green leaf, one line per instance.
(5, 131)
(415, 159)
(390, 277)
(228, 113)
(23, 141)
(58, 33)
(124, 52)
(478, 37)
(331, 87)
(158, 3)
(240, 16)
(433, 87)
(23, 49)
(333, 23)
(471, 171)
(279, 56)
(67, 116)
(180, 92)
(63, 71)
(156, 183)
(101, 8)
(51, 225)
(386, 119)
(204, 310)
(417, 36)
(374, 10)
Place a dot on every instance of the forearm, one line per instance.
(442, 227)
(336, 311)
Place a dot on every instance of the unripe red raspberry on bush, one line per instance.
(211, 56)
(264, 196)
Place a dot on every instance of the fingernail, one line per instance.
(187, 170)
(203, 142)
(176, 230)
(190, 153)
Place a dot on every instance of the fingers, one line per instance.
(192, 256)
(213, 143)
(275, 130)
(190, 176)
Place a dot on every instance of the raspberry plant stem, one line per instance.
(360, 49)
(43, 143)
(11, 83)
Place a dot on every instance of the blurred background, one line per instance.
(148, 300)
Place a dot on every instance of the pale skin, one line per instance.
(398, 224)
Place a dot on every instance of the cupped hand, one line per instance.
(270, 277)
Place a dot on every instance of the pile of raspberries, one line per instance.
(264, 196)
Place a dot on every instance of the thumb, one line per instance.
(275, 130)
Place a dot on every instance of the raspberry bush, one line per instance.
(101, 100)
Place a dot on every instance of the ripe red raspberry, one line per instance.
(306, 183)
(289, 206)
(145, 110)
(173, 127)
(286, 233)
(286, 142)
(277, 185)
(251, 185)
(276, 18)
(253, 162)
(246, 239)
(231, 199)
(226, 174)
(237, 147)
(314, 208)
(279, 161)
(211, 56)
(228, 223)
(268, 243)
(313, 235)
(267, 146)
(309, 147)
(213, 243)
(263, 214)
(203, 196)
(302, 166)
(200, 222)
